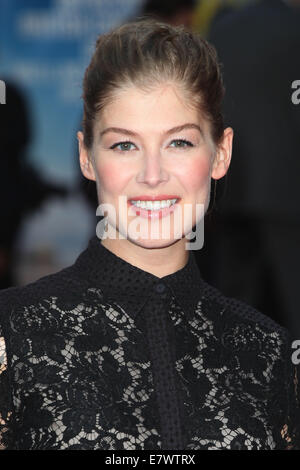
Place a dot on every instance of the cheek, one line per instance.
(197, 176)
(111, 178)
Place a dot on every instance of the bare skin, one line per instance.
(153, 162)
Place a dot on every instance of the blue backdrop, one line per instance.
(45, 46)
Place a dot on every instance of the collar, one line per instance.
(130, 286)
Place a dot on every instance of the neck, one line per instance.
(158, 261)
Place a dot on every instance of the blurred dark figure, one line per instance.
(174, 12)
(224, 10)
(255, 232)
(21, 188)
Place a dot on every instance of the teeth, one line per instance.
(154, 205)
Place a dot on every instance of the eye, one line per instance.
(183, 143)
(125, 145)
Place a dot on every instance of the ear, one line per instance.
(85, 161)
(223, 155)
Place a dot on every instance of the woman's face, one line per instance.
(153, 145)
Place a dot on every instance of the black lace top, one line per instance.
(103, 355)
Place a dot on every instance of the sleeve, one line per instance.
(5, 400)
(290, 432)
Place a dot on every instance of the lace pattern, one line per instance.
(120, 359)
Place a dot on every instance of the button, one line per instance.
(160, 288)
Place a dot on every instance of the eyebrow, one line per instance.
(119, 130)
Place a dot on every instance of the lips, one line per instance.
(154, 214)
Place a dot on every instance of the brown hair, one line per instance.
(146, 52)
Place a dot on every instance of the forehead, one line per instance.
(156, 106)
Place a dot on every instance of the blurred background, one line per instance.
(252, 229)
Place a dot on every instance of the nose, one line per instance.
(152, 172)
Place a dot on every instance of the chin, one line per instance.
(150, 244)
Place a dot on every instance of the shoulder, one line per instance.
(40, 298)
(239, 309)
(47, 284)
(255, 349)
(244, 327)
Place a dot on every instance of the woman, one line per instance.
(129, 348)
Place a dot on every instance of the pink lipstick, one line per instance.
(154, 213)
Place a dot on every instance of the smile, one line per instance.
(154, 205)
(154, 208)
